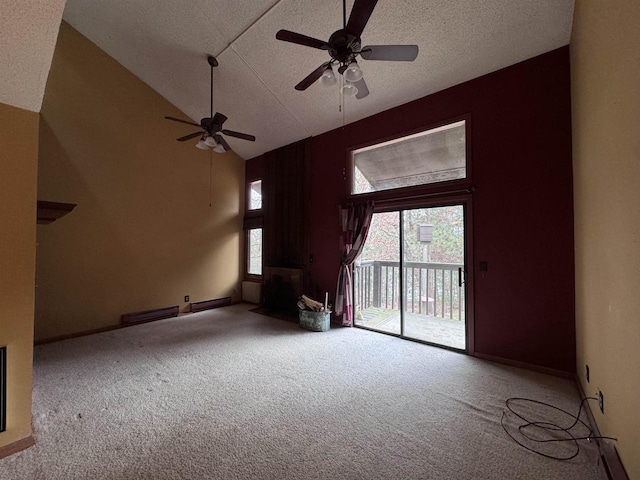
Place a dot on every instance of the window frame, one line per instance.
(247, 199)
(247, 243)
(252, 217)
(404, 192)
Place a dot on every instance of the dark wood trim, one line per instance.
(420, 200)
(250, 277)
(252, 222)
(51, 211)
(524, 365)
(305, 194)
(612, 463)
(209, 304)
(149, 315)
(286, 205)
(16, 446)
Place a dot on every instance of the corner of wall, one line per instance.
(605, 68)
(18, 175)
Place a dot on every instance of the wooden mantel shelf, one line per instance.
(51, 211)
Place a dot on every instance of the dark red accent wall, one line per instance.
(522, 205)
(254, 169)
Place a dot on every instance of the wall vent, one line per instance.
(3, 389)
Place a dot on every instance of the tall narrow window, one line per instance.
(254, 251)
(432, 156)
(255, 195)
(253, 227)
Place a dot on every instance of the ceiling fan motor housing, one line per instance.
(343, 47)
(207, 123)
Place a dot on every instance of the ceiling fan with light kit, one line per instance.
(344, 46)
(211, 127)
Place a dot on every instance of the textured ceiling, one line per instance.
(165, 43)
(28, 32)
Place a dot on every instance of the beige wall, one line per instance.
(605, 62)
(18, 172)
(143, 234)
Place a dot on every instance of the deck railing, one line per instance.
(431, 288)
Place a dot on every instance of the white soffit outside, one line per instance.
(28, 34)
(165, 43)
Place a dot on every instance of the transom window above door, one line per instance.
(432, 156)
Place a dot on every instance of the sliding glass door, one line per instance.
(410, 280)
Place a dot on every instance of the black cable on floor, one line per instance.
(549, 427)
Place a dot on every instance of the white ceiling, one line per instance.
(28, 32)
(165, 43)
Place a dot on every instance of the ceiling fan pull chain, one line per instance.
(210, 172)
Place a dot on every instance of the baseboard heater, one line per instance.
(149, 315)
(3, 389)
(209, 304)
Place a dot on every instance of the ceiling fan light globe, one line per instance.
(219, 149)
(210, 142)
(349, 90)
(353, 73)
(328, 78)
(202, 145)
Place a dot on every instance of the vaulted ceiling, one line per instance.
(28, 32)
(165, 43)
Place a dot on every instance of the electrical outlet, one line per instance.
(587, 373)
(601, 401)
(186, 298)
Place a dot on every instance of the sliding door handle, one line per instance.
(461, 275)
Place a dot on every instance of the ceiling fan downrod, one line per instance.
(214, 63)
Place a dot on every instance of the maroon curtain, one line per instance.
(355, 221)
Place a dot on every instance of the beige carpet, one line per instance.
(230, 394)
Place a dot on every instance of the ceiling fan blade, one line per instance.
(312, 77)
(220, 139)
(298, 38)
(360, 13)
(190, 136)
(243, 136)
(363, 91)
(396, 53)
(182, 121)
(219, 119)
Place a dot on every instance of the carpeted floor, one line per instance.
(230, 394)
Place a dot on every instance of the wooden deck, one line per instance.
(419, 326)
